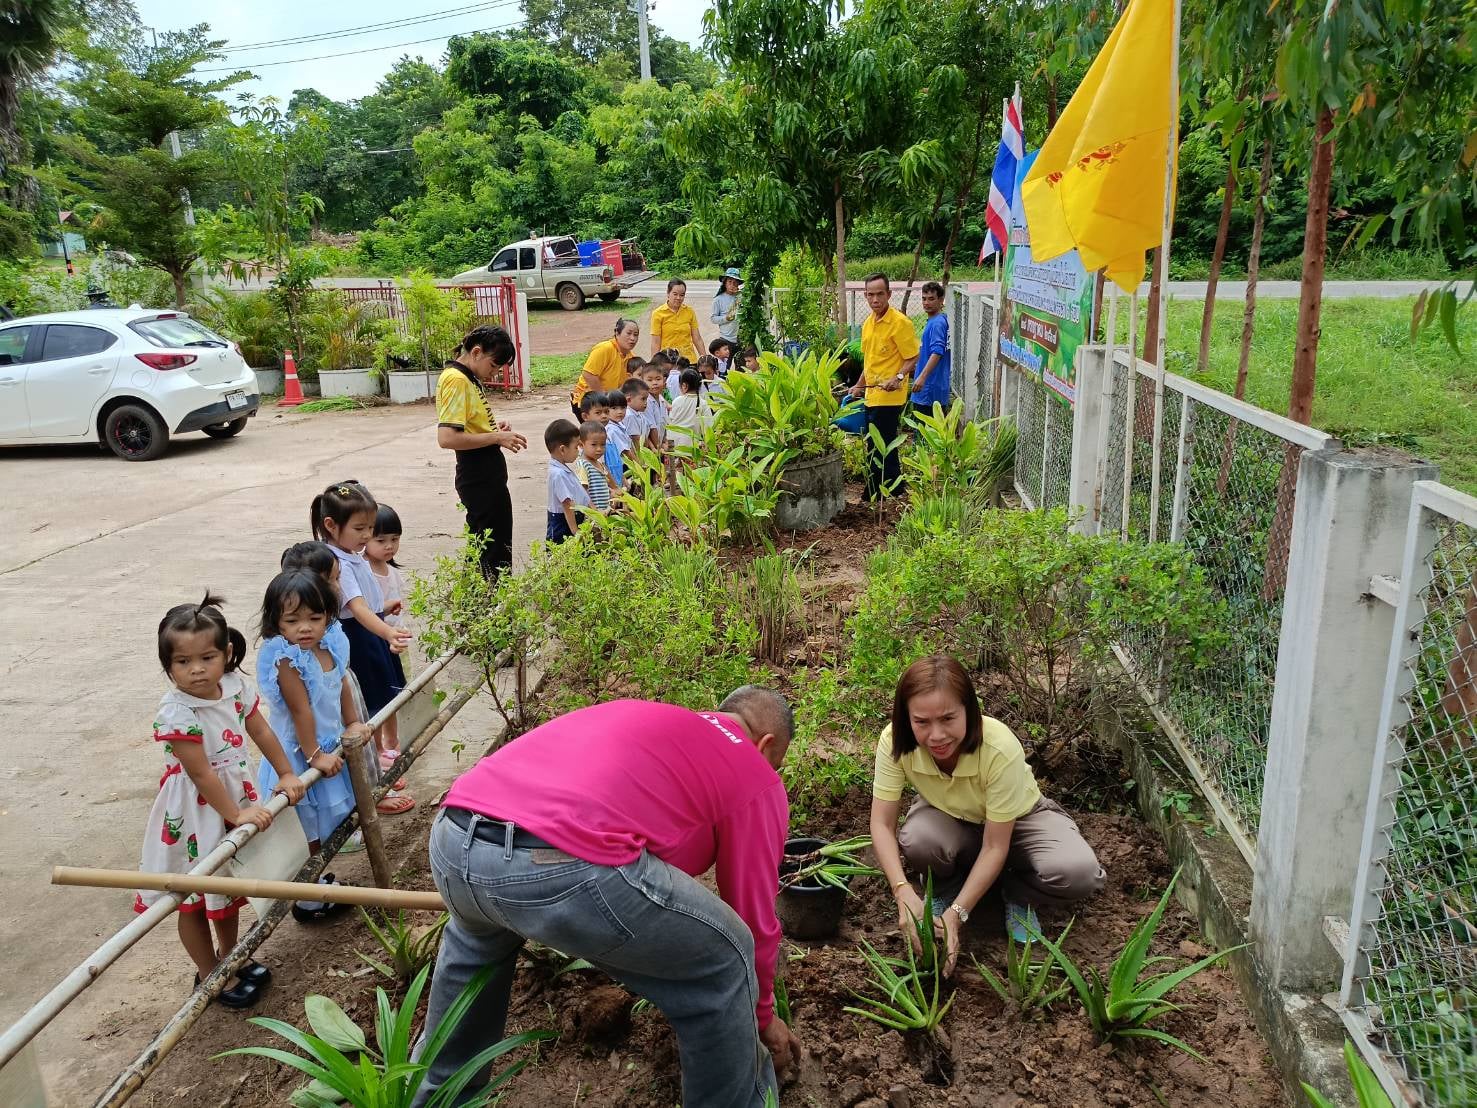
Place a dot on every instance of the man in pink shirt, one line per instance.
(586, 835)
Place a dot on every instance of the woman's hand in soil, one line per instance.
(783, 1046)
(290, 786)
(909, 912)
(951, 940)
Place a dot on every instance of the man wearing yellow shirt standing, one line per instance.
(889, 353)
(979, 816)
(674, 324)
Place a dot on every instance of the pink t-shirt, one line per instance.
(606, 782)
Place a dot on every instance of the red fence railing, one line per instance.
(491, 304)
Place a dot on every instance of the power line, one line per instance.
(367, 28)
(366, 50)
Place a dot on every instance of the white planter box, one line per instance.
(268, 381)
(407, 387)
(348, 382)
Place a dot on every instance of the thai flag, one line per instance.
(1002, 179)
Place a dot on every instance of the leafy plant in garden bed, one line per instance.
(435, 321)
(250, 319)
(343, 334)
(785, 411)
(407, 948)
(771, 586)
(952, 455)
(384, 1076)
(1123, 1006)
(1028, 984)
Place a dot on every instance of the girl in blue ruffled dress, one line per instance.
(300, 672)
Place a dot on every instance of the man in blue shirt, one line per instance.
(931, 378)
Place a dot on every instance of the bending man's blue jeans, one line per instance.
(647, 924)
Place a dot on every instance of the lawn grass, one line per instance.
(556, 369)
(627, 305)
(1375, 384)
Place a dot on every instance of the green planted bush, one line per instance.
(344, 1065)
(250, 319)
(785, 410)
(953, 455)
(1124, 1005)
(911, 993)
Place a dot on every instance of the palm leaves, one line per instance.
(384, 1076)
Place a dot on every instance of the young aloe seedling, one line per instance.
(913, 985)
(1027, 984)
(833, 864)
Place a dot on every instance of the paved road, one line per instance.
(97, 550)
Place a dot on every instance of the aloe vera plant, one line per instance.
(912, 985)
(1028, 983)
(833, 864)
(1126, 1003)
(382, 1073)
(406, 951)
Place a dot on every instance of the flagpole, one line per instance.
(995, 344)
(1162, 261)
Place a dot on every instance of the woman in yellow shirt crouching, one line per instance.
(978, 816)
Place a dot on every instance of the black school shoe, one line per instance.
(258, 974)
(245, 994)
(319, 912)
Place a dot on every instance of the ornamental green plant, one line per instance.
(783, 411)
(952, 454)
(1367, 1088)
(724, 494)
(343, 334)
(1028, 984)
(435, 321)
(1126, 1003)
(406, 947)
(344, 1066)
(770, 585)
(912, 987)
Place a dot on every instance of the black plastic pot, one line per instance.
(810, 909)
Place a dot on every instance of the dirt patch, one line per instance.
(552, 330)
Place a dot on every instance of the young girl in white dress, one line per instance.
(206, 789)
(301, 668)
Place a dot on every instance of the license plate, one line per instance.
(235, 400)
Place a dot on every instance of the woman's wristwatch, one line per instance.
(960, 910)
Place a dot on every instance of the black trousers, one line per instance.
(883, 472)
(482, 485)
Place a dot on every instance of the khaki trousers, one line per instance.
(1049, 860)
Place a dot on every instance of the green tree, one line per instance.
(526, 76)
(586, 29)
(128, 104)
(30, 32)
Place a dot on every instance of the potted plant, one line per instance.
(787, 411)
(434, 322)
(342, 337)
(815, 880)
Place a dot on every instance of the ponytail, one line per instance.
(188, 619)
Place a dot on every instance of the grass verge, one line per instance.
(547, 370)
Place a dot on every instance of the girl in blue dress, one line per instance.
(300, 671)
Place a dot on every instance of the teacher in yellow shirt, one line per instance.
(889, 353)
(978, 817)
(605, 368)
(674, 324)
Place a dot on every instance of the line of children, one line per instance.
(329, 659)
(566, 495)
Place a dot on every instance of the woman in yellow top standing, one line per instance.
(674, 324)
(978, 817)
(605, 368)
(464, 423)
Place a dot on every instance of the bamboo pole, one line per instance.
(356, 749)
(80, 979)
(246, 886)
(1162, 270)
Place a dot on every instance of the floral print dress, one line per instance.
(182, 826)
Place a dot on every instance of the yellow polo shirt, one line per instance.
(607, 363)
(886, 344)
(673, 330)
(462, 403)
(993, 783)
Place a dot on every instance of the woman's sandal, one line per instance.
(395, 805)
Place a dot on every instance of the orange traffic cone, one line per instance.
(292, 390)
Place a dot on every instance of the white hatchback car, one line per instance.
(124, 377)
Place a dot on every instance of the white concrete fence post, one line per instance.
(1083, 497)
(525, 355)
(1348, 527)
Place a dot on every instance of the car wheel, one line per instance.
(611, 297)
(227, 430)
(135, 433)
(571, 297)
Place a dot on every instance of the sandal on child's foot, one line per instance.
(395, 805)
(388, 757)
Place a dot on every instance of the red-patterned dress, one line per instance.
(182, 826)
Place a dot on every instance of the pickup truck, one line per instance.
(549, 269)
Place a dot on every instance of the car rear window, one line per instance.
(176, 331)
(13, 345)
(66, 340)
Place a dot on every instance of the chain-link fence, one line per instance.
(1226, 492)
(1043, 452)
(1415, 976)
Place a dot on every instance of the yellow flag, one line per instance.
(1098, 183)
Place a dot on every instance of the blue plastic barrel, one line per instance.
(590, 253)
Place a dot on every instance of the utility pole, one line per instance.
(644, 41)
(174, 150)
